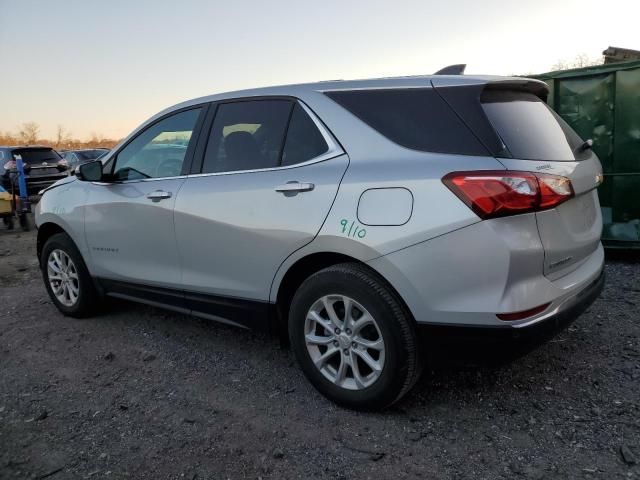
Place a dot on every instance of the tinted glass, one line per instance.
(38, 156)
(414, 118)
(71, 158)
(160, 150)
(247, 135)
(86, 155)
(304, 140)
(528, 127)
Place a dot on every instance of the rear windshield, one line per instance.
(529, 128)
(38, 156)
(414, 118)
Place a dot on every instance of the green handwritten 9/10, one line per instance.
(352, 230)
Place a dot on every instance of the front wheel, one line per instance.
(66, 277)
(353, 338)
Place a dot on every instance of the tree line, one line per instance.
(29, 134)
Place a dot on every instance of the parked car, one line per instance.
(43, 166)
(352, 214)
(77, 157)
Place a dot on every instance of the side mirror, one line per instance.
(90, 171)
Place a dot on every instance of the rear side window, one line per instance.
(414, 118)
(304, 141)
(247, 135)
(528, 127)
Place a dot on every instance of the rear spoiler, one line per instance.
(457, 69)
(537, 87)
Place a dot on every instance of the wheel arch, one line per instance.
(46, 231)
(306, 266)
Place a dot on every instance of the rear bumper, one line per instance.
(534, 332)
(466, 277)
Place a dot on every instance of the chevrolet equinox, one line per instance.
(348, 213)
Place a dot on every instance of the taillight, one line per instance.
(499, 193)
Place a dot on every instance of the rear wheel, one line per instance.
(8, 221)
(353, 338)
(66, 277)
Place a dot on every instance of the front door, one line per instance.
(129, 223)
(269, 176)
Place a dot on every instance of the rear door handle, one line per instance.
(158, 195)
(295, 187)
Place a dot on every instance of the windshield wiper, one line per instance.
(586, 145)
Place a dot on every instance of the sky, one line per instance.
(105, 66)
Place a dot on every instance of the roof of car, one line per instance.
(301, 90)
(417, 81)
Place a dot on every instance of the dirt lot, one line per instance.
(142, 393)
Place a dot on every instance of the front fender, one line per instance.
(64, 206)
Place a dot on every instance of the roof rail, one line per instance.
(457, 69)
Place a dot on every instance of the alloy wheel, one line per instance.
(63, 277)
(344, 342)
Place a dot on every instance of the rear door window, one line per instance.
(247, 135)
(529, 128)
(415, 118)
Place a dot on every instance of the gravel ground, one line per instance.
(141, 393)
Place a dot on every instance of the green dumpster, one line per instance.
(603, 103)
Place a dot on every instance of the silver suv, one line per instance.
(349, 214)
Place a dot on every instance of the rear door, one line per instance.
(268, 178)
(538, 140)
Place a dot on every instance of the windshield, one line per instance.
(529, 128)
(90, 154)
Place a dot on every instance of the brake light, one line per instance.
(500, 193)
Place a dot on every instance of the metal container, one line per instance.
(603, 103)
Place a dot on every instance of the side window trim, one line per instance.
(286, 131)
(334, 148)
(203, 139)
(189, 155)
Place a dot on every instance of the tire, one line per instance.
(77, 278)
(24, 222)
(399, 361)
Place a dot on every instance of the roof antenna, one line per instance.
(457, 69)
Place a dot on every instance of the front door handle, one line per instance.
(295, 187)
(158, 195)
